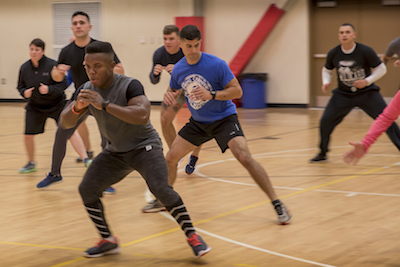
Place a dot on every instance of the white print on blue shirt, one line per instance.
(193, 82)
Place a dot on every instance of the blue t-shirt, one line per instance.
(210, 73)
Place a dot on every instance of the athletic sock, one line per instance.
(179, 212)
(96, 213)
(276, 202)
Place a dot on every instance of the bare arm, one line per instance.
(58, 72)
(137, 112)
(71, 114)
(232, 90)
(385, 59)
(119, 68)
(171, 95)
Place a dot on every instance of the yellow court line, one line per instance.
(150, 237)
(205, 220)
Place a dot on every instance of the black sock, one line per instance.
(193, 160)
(276, 202)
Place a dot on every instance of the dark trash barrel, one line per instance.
(254, 89)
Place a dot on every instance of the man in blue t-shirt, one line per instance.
(209, 87)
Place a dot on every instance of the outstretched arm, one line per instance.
(353, 156)
(380, 125)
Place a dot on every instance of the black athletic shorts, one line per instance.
(222, 130)
(36, 119)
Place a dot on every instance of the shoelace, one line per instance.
(102, 241)
(194, 241)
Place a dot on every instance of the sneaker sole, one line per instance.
(154, 210)
(110, 252)
(108, 193)
(28, 171)
(49, 184)
(318, 161)
(286, 223)
(203, 252)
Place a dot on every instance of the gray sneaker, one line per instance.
(154, 206)
(30, 167)
(199, 247)
(104, 247)
(284, 216)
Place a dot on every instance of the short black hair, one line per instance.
(37, 42)
(348, 24)
(100, 47)
(80, 13)
(170, 29)
(190, 32)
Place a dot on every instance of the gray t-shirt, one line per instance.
(122, 136)
(393, 48)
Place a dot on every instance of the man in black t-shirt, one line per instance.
(165, 58)
(353, 62)
(72, 58)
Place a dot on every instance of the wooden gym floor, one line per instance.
(343, 215)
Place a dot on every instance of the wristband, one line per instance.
(74, 111)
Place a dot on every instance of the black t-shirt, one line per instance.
(162, 57)
(351, 67)
(74, 56)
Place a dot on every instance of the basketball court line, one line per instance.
(246, 208)
(168, 216)
(223, 215)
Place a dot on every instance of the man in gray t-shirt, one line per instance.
(393, 49)
(122, 112)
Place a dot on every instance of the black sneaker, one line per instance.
(199, 247)
(104, 247)
(319, 157)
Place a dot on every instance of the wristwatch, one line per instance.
(105, 103)
(213, 94)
